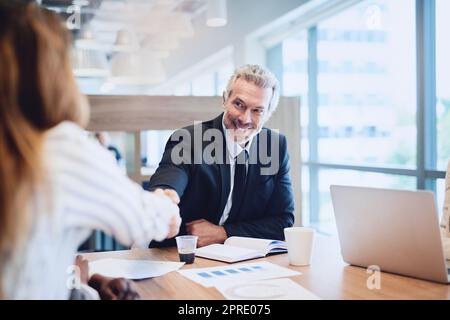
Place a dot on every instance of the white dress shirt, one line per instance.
(234, 149)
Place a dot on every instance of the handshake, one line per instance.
(206, 231)
(175, 220)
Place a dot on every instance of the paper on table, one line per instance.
(275, 289)
(224, 275)
(132, 269)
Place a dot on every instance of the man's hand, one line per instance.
(172, 194)
(174, 227)
(207, 232)
(113, 288)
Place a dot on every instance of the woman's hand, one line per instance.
(174, 227)
(114, 288)
(172, 194)
(83, 266)
(175, 221)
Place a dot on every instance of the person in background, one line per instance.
(56, 184)
(103, 139)
(445, 221)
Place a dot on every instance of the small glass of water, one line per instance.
(186, 248)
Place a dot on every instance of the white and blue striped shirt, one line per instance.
(84, 190)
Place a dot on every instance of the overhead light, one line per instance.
(175, 23)
(216, 13)
(126, 40)
(157, 48)
(158, 53)
(140, 68)
(89, 63)
(180, 24)
(161, 42)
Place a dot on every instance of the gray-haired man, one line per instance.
(246, 190)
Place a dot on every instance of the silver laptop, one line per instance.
(395, 230)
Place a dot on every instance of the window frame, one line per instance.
(425, 172)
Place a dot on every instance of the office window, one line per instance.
(357, 76)
(443, 83)
(295, 80)
(324, 218)
(305, 205)
(295, 65)
(154, 143)
(373, 84)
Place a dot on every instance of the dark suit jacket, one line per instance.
(268, 204)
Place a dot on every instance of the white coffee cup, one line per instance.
(300, 241)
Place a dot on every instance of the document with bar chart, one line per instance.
(218, 276)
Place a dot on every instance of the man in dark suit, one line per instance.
(231, 174)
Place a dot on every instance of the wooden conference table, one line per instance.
(328, 276)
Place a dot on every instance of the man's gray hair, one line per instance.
(259, 76)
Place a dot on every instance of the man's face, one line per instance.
(246, 110)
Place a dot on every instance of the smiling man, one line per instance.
(243, 188)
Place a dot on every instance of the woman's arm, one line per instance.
(96, 194)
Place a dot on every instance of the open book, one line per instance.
(241, 248)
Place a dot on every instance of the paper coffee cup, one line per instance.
(300, 241)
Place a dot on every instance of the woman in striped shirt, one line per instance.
(56, 185)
